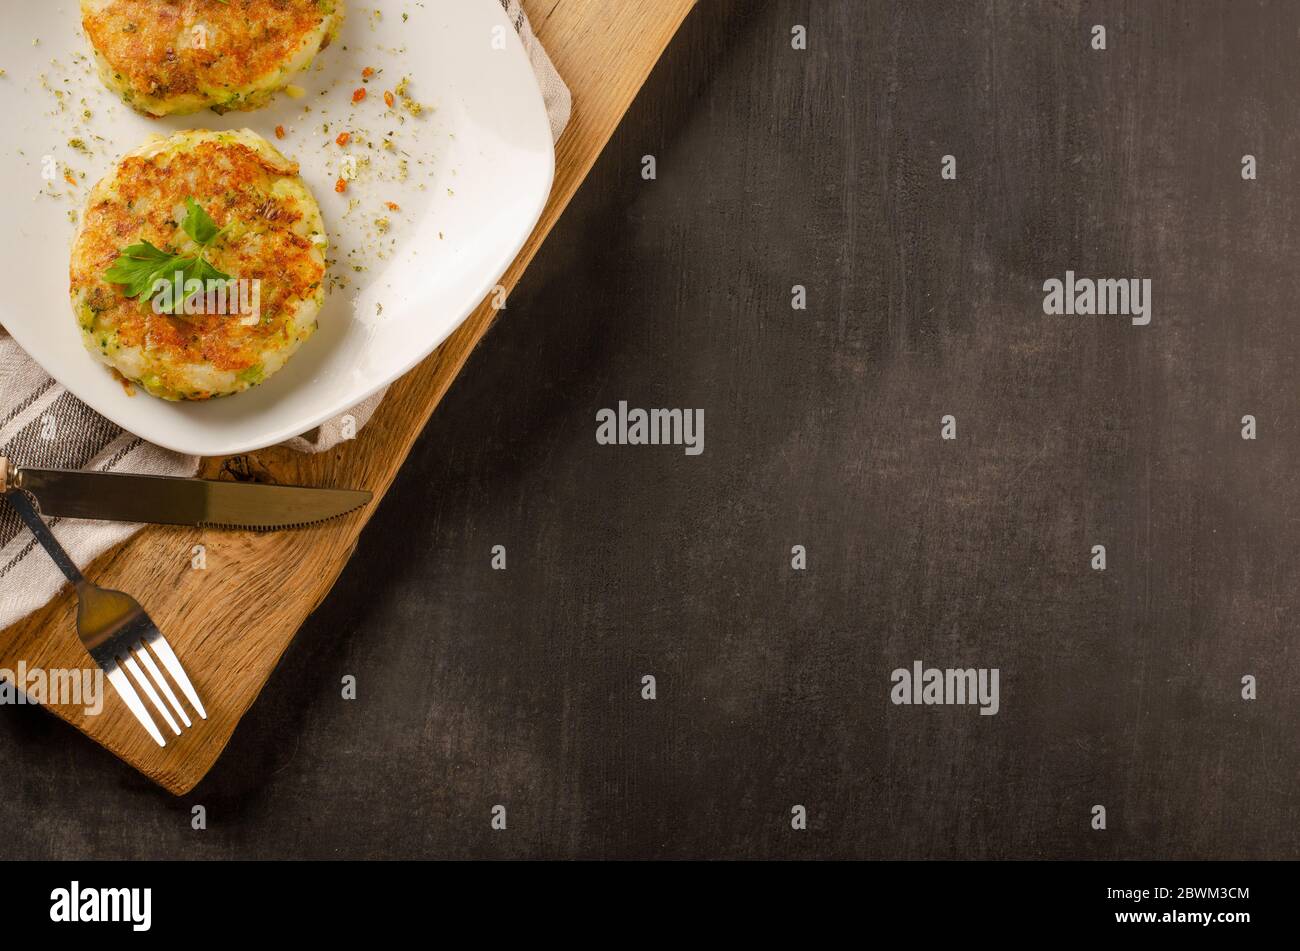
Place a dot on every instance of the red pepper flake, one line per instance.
(367, 73)
(344, 138)
(358, 95)
(389, 100)
(340, 186)
(67, 177)
(392, 206)
(279, 132)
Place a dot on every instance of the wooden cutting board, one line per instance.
(231, 622)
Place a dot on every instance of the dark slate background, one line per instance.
(821, 168)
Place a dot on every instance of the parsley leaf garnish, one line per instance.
(138, 266)
(198, 224)
(141, 266)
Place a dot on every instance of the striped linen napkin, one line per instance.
(33, 408)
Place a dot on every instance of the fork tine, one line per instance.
(132, 700)
(152, 694)
(147, 659)
(168, 657)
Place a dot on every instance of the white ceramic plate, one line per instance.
(478, 167)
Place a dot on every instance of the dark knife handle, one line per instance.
(23, 504)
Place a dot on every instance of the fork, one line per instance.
(118, 634)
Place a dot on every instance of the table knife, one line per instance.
(167, 500)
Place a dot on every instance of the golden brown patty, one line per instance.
(169, 57)
(272, 233)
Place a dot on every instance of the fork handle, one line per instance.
(20, 501)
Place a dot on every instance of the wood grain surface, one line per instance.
(231, 623)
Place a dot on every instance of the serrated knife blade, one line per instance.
(167, 500)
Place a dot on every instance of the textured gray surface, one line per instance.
(821, 168)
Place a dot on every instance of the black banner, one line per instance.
(1221, 901)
